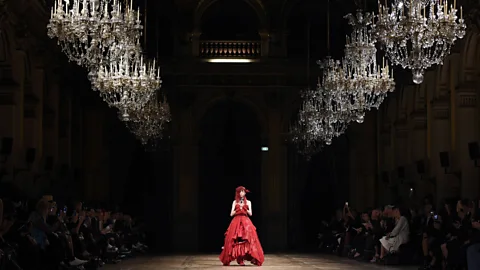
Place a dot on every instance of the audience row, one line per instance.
(46, 235)
(447, 238)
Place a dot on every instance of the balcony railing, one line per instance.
(230, 49)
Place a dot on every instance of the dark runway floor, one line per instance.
(272, 261)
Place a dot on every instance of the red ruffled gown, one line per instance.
(241, 240)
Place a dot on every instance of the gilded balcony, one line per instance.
(226, 49)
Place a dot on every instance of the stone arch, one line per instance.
(256, 5)
(469, 51)
(202, 108)
(442, 78)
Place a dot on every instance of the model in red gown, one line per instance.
(241, 240)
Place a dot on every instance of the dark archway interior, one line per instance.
(326, 188)
(230, 156)
(230, 20)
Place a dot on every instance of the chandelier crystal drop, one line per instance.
(418, 34)
(365, 81)
(88, 30)
(360, 50)
(128, 83)
(148, 123)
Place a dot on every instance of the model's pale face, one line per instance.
(242, 193)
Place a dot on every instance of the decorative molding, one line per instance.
(466, 97)
(441, 108)
(230, 80)
(419, 119)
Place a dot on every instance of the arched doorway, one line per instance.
(230, 156)
(326, 189)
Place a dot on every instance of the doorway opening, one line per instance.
(230, 156)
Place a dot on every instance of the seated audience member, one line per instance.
(377, 231)
(455, 248)
(40, 227)
(436, 237)
(363, 237)
(473, 251)
(331, 233)
(428, 232)
(351, 223)
(397, 237)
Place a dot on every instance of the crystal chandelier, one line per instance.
(87, 30)
(148, 123)
(365, 81)
(304, 132)
(419, 33)
(360, 50)
(128, 83)
(334, 106)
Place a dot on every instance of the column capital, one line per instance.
(466, 96)
(419, 119)
(441, 108)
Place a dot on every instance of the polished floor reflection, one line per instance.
(272, 261)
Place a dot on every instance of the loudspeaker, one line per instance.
(30, 155)
(48, 163)
(7, 143)
(474, 150)
(385, 177)
(401, 172)
(444, 160)
(420, 167)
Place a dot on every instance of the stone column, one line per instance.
(274, 187)
(401, 155)
(195, 42)
(94, 155)
(440, 142)
(185, 154)
(363, 163)
(418, 150)
(466, 132)
(386, 165)
(265, 42)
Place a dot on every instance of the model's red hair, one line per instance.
(237, 193)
